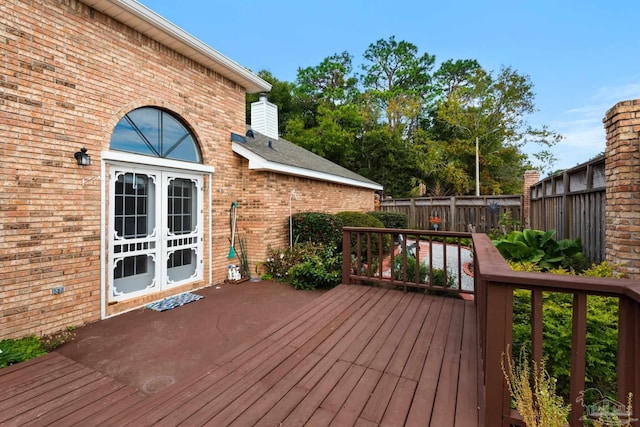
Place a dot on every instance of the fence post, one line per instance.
(566, 221)
(452, 214)
(412, 213)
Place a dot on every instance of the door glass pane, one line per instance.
(181, 202)
(134, 274)
(133, 206)
(181, 265)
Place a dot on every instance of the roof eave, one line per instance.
(259, 163)
(149, 23)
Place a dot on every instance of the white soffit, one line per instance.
(154, 26)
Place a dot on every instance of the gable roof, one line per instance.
(285, 157)
(154, 26)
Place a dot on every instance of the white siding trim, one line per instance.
(121, 156)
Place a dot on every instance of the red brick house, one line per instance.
(143, 213)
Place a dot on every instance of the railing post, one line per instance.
(629, 351)
(499, 302)
(346, 257)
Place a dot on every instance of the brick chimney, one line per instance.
(264, 117)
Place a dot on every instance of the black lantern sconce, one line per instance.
(82, 157)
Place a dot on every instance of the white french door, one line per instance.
(155, 230)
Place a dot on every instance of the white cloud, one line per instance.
(582, 127)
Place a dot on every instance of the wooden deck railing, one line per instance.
(367, 259)
(495, 285)
(387, 257)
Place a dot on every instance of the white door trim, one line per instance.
(112, 158)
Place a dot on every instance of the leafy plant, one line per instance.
(320, 269)
(437, 278)
(411, 267)
(318, 228)
(244, 259)
(533, 392)
(506, 224)
(280, 260)
(20, 349)
(539, 247)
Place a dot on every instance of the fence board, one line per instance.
(456, 213)
(574, 204)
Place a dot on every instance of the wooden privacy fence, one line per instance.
(573, 203)
(456, 213)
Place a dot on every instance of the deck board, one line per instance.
(359, 356)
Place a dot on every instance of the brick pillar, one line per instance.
(622, 173)
(530, 178)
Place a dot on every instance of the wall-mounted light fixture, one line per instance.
(82, 157)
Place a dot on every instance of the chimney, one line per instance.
(264, 117)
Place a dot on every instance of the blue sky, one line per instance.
(582, 56)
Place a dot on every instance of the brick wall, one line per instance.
(68, 74)
(264, 205)
(622, 173)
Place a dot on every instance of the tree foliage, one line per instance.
(411, 126)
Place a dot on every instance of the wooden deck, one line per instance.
(359, 356)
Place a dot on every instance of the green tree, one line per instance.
(331, 82)
(491, 111)
(399, 81)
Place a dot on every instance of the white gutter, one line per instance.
(259, 163)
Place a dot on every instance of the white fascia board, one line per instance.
(124, 157)
(259, 163)
(191, 44)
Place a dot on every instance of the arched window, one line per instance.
(155, 132)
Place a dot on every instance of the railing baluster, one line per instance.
(369, 254)
(578, 357)
(381, 254)
(536, 326)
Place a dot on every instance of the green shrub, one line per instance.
(318, 228)
(306, 266)
(359, 219)
(319, 269)
(437, 278)
(602, 333)
(20, 349)
(411, 269)
(280, 260)
(391, 219)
